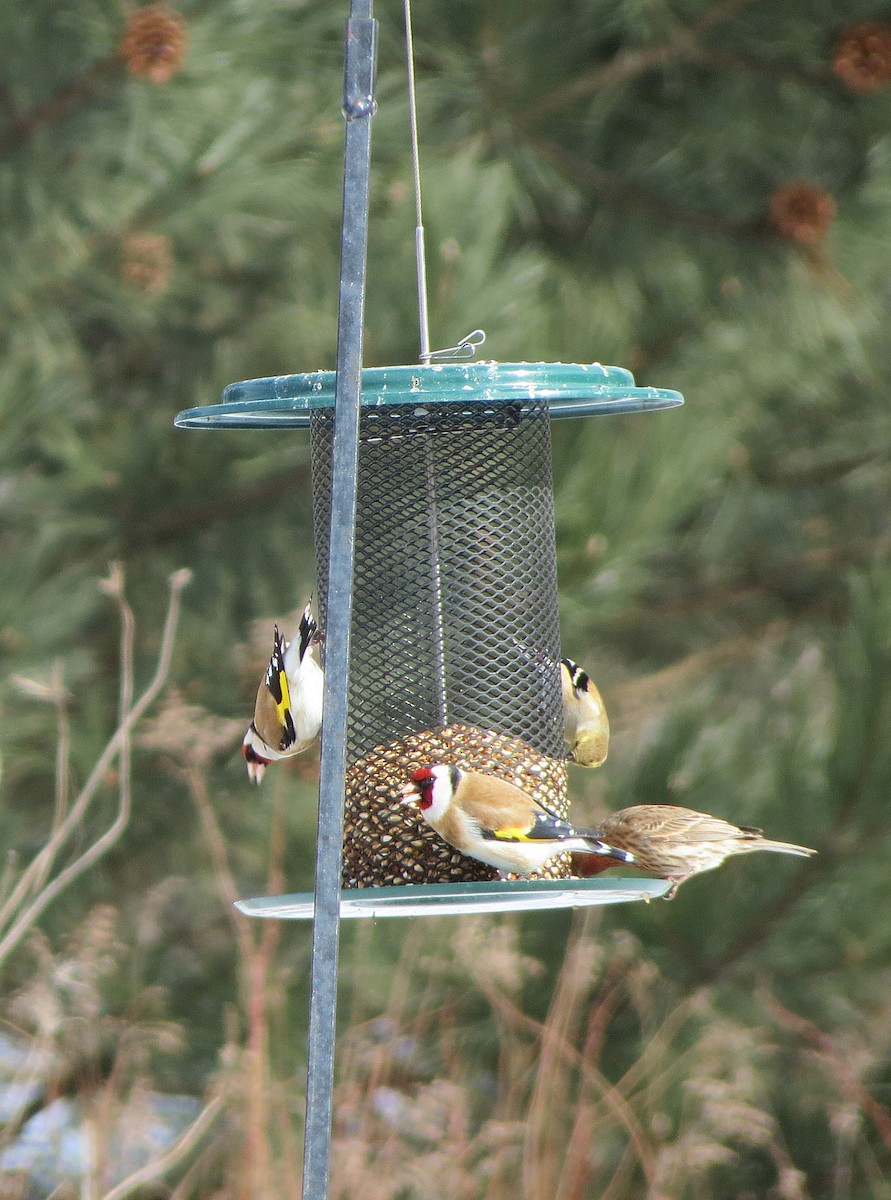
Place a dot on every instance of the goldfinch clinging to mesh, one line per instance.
(585, 723)
(288, 710)
(491, 820)
(677, 843)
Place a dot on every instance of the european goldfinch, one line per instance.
(677, 843)
(288, 710)
(585, 723)
(495, 822)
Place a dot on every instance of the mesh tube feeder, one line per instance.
(455, 644)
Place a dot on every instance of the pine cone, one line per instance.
(802, 212)
(154, 43)
(147, 261)
(862, 56)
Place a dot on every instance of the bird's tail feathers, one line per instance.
(308, 633)
(784, 848)
(578, 677)
(759, 842)
(598, 846)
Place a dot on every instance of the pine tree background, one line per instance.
(700, 192)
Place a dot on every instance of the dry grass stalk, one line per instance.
(553, 1115)
(36, 887)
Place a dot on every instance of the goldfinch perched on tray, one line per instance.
(288, 710)
(585, 723)
(677, 843)
(495, 822)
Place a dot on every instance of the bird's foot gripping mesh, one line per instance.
(386, 843)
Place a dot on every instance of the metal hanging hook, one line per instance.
(465, 349)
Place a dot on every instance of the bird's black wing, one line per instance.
(545, 827)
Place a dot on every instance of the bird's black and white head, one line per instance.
(432, 789)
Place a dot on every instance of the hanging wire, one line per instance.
(467, 346)
(423, 318)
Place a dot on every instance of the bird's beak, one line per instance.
(409, 793)
(255, 770)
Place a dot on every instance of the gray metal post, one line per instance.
(358, 107)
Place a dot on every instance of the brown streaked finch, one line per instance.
(678, 843)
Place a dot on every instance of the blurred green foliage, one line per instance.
(598, 178)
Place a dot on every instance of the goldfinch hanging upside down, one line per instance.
(585, 723)
(288, 710)
(491, 820)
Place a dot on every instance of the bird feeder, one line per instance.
(434, 534)
(455, 644)
(437, 573)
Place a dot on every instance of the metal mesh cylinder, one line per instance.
(454, 607)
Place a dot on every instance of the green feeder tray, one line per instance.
(457, 899)
(568, 389)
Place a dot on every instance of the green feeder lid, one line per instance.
(571, 390)
(455, 899)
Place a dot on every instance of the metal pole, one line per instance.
(358, 107)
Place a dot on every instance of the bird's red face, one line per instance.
(419, 791)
